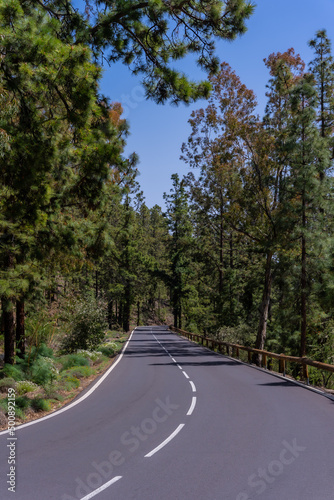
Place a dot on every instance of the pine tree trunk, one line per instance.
(138, 313)
(9, 330)
(264, 309)
(20, 328)
(8, 320)
(221, 253)
(231, 282)
(110, 314)
(120, 312)
(303, 285)
(175, 318)
(127, 309)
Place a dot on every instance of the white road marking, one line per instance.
(192, 385)
(192, 406)
(101, 488)
(161, 445)
(88, 393)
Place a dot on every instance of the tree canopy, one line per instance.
(148, 36)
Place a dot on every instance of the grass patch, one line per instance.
(69, 383)
(80, 371)
(70, 360)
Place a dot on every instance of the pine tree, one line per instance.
(322, 68)
(177, 215)
(304, 197)
(58, 145)
(149, 36)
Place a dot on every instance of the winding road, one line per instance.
(172, 420)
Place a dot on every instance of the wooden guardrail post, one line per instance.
(264, 361)
(305, 371)
(282, 366)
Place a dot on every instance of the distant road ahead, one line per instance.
(174, 421)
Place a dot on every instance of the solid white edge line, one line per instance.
(161, 445)
(192, 406)
(192, 385)
(184, 373)
(71, 405)
(101, 488)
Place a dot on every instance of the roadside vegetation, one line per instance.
(46, 378)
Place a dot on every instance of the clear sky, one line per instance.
(158, 131)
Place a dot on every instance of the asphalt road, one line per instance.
(174, 421)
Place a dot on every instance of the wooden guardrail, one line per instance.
(234, 349)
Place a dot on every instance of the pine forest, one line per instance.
(242, 250)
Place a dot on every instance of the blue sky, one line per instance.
(158, 131)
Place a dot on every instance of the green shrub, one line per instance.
(91, 355)
(4, 406)
(241, 334)
(7, 383)
(13, 371)
(19, 413)
(88, 324)
(40, 404)
(107, 351)
(43, 371)
(42, 350)
(38, 365)
(22, 402)
(18, 410)
(39, 328)
(73, 360)
(23, 386)
(70, 383)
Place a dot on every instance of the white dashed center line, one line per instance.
(191, 409)
(161, 445)
(192, 406)
(192, 385)
(101, 488)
